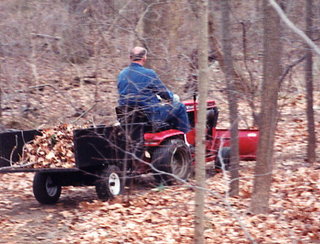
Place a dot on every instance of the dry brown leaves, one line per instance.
(166, 215)
(53, 149)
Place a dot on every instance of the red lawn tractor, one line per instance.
(106, 156)
(165, 149)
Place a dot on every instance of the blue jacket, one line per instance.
(140, 86)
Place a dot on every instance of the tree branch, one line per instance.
(290, 67)
(295, 29)
(46, 36)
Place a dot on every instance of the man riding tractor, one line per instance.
(142, 92)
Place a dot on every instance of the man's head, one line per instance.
(138, 55)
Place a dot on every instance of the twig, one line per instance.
(13, 150)
(46, 36)
(290, 67)
(245, 53)
(54, 88)
(84, 113)
(16, 166)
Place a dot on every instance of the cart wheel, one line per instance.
(172, 157)
(223, 154)
(44, 189)
(110, 183)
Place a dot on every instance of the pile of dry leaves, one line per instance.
(53, 149)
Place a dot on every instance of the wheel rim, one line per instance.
(114, 184)
(50, 187)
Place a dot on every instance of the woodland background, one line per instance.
(59, 63)
(60, 59)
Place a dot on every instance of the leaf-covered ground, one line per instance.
(165, 215)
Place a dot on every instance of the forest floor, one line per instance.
(165, 215)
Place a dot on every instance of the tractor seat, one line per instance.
(128, 115)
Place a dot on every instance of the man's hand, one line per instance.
(163, 101)
(176, 98)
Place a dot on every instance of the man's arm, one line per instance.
(159, 88)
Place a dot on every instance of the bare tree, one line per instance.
(0, 106)
(161, 39)
(201, 123)
(232, 96)
(246, 86)
(268, 115)
(311, 147)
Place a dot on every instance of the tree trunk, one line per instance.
(311, 147)
(201, 121)
(268, 116)
(161, 39)
(0, 106)
(232, 97)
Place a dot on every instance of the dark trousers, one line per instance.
(175, 114)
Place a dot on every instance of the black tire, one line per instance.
(224, 155)
(44, 189)
(110, 183)
(172, 157)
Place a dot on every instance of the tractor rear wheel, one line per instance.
(171, 161)
(110, 183)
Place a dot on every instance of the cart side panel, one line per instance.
(72, 178)
(95, 147)
(11, 144)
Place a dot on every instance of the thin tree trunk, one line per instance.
(237, 76)
(201, 122)
(268, 115)
(232, 97)
(0, 106)
(311, 147)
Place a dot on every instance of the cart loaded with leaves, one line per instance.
(109, 156)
